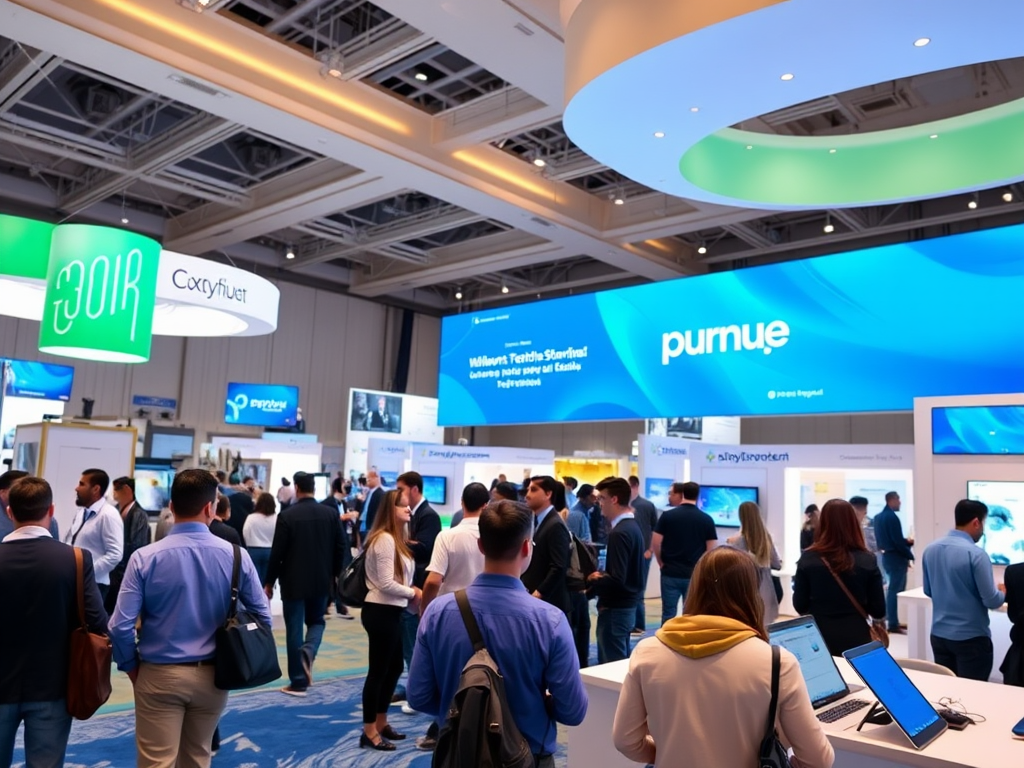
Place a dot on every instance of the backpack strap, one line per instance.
(469, 620)
(770, 727)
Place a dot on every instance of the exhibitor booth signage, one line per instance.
(861, 331)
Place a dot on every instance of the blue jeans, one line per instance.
(673, 589)
(896, 569)
(971, 659)
(261, 559)
(641, 607)
(613, 628)
(47, 727)
(309, 612)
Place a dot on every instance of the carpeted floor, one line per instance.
(267, 728)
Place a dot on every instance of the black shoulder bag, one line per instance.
(246, 654)
(772, 753)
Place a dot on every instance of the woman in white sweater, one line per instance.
(389, 569)
(718, 648)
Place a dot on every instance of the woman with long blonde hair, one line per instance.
(755, 539)
(719, 647)
(389, 571)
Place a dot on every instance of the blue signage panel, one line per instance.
(161, 403)
(261, 405)
(42, 381)
(983, 430)
(861, 331)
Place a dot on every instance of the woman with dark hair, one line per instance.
(810, 525)
(839, 553)
(719, 646)
(258, 533)
(389, 570)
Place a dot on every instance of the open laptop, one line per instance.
(825, 684)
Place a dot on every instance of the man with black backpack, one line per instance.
(517, 641)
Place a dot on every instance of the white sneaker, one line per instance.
(407, 709)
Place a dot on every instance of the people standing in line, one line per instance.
(457, 558)
(578, 518)
(545, 578)
(219, 526)
(897, 556)
(306, 556)
(755, 539)
(529, 640)
(809, 527)
(839, 545)
(370, 502)
(259, 533)
(389, 575)
(571, 484)
(178, 591)
(646, 515)
(958, 578)
(97, 527)
(719, 646)
(336, 503)
(683, 534)
(39, 604)
(619, 587)
(136, 534)
(6, 524)
(286, 493)
(1013, 663)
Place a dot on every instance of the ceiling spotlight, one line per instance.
(695, 109)
(504, 288)
(458, 293)
(787, 77)
(934, 136)
(421, 76)
(659, 134)
(921, 42)
(702, 249)
(973, 202)
(332, 65)
(619, 201)
(539, 161)
(831, 151)
(290, 253)
(750, 146)
(124, 219)
(828, 228)
(1007, 196)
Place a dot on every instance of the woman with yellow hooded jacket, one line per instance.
(697, 694)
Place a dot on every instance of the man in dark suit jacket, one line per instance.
(545, 577)
(371, 500)
(242, 505)
(306, 555)
(136, 534)
(39, 605)
(336, 503)
(219, 525)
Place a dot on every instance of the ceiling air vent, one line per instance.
(538, 220)
(188, 82)
(524, 29)
(883, 103)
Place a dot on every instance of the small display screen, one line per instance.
(981, 430)
(42, 381)
(722, 502)
(435, 489)
(1004, 526)
(261, 405)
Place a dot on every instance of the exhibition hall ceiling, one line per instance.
(412, 153)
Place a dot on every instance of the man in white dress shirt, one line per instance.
(97, 526)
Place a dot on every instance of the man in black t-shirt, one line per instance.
(682, 535)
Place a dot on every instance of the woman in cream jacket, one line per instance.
(697, 693)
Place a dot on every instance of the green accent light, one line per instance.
(976, 150)
(24, 247)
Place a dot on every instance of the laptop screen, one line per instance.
(803, 639)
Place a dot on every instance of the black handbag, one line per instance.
(246, 653)
(353, 589)
(772, 753)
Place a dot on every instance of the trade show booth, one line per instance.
(272, 459)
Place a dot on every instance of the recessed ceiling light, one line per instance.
(458, 295)
(124, 219)
(504, 289)
(619, 201)
(787, 77)
(972, 204)
(921, 42)
(831, 151)
(290, 254)
(934, 136)
(750, 146)
(1007, 197)
(540, 162)
(695, 109)
(659, 134)
(421, 76)
(829, 229)
(702, 249)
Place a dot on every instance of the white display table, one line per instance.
(918, 610)
(986, 745)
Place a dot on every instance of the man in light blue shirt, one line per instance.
(958, 579)
(97, 526)
(528, 639)
(180, 590)
(578, 518)
(570, 484)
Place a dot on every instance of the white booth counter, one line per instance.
(985, 745)
(917, 607)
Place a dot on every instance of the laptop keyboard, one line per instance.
(842, 710)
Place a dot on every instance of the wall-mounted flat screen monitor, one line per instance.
(656, 490)
(1004, 526)
(169, 442)
(153, 480)
(374, 412)
(322, 485)
(41, 381)
(722, 502)
(388, 479)
(261, 405)
(978, 430)
(435, 489)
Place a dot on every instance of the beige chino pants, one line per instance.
(177, 708)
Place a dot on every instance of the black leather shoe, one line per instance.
(383, 745)
(390, 733)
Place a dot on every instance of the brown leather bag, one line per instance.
(876, 629)
(89, 660)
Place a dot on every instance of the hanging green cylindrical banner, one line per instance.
(24, 255)
(100, 294)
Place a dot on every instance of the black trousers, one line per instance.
(383, 625)
(971, 659)
(579, 621)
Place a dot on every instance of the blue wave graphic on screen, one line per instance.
(860, 331)
(722, 502)
(42, 381)
(979, 430)
(261, 405)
